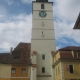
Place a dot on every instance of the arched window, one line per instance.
(42, 6)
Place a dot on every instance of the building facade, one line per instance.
(37, 60)
(77, 23)
(33, 61)
(67, 64)
(17, 64)
(43, 40)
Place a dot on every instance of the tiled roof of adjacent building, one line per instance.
(77, 24)
(20, 55)
(66, 53)
(69, 48)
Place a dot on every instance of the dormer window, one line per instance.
(15, 58)
(42, 6)
(75, 54)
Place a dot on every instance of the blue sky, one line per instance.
(16, 22)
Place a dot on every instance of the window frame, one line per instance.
(43, 69)
(13, 70)
(69, 68)
(75, 54)
(43, 56)
(42, 6)
(23, 70)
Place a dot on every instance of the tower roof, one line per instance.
(77, 24)
(20, 55)
(41, 0)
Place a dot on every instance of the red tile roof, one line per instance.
(34, 65)
(20, 55)
(34, 52)
(68, 55)
(70, 48)
(53, 52)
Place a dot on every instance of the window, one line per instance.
(15, 58)
(13, 70)
(43, 57)
(75, 54)
(42, 6)
(71, 69)
(43, 69)
(58, 70)
(23, 70)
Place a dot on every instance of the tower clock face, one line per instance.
(42, 14)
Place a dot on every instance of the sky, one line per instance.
(16, 23)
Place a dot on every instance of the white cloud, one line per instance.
(63, 29)
(65, 15)
(14, 31)
(63, 40)
(67, 10)
(26, 1)
(17, 28)
(58, 47)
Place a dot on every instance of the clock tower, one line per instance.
(42, 40)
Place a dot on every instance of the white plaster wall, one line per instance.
(47, 24)
(43, 45)
(48, 6)
(36, 15)
(47, 61)
(47, 70)
(34, 59)
(47, 34)
(33, 74)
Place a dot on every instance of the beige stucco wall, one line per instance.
(36, 15)
(56, 57)
(48, 6)
(47, 24)
(76, 67)
(43, 45)
(44, 78)
(47, 34)
(58, 75)
(5, 70)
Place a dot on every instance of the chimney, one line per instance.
(11, 50)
